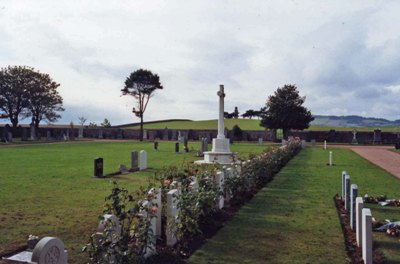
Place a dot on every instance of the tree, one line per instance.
(43, 100)
(285, 110)
(106, 123)
(82, 120)
(249, 113)
(14, 82)
(236, 113)
(142, 85)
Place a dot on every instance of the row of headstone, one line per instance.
(48, 250)
(360, 217)
(135, 164)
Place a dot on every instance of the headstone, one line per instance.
(377, 136)
(366, 236)
(194, 185)
(165, 134)
(98, 167)
(152, 229)
(353, 195)
(354, 140)
(24, 134)
(109, 228)
(134, 161)
(49, 250)
(120, 133)
(33, 132)
(219, 180)
(64, 136)
(347, 194)
(123, 169)
(330, 158)
(177, 147)
(156, 202)
(80, 132)
(172, 212)
(260, 141)
(185, 145)
(156, 145)
(359, 207)
(143, 160)
(9, 137)
(324, 144)
(100, 134)
(343, 184)
(313, 143)
(228, 175)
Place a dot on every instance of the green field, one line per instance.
(245, 124)
(294, 220)
(48, 189)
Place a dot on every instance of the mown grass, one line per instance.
(49, 189)
(246, 124)
(294, 220)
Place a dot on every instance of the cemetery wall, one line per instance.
(57, 133)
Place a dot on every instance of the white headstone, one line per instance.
(353, 195)
(172, 212)
(151, 243)
(359, 207)
(143, 160)
(367, 236)
(156, 202)
(330, 158)
(324, 144)
(219, 180)
(260, 141)
(111, 225)
(49, 250)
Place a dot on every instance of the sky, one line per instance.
(344, 56)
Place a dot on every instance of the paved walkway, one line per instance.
(380, 156)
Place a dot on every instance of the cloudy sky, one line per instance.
(344, 56)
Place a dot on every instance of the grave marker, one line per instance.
(343, 184)
(172, 212)
(219, 180)
(353, 195)
(49, 250)
(359, 207)
(367, 235)
(143, 160)
(177, 147)
(155, 145)
(134, 161)
(347, 193)
(98, 167)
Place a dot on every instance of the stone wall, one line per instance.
(57, 133)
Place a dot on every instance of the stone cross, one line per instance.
(221, 126)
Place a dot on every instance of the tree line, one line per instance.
(27, 93)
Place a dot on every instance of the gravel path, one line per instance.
(381, 156)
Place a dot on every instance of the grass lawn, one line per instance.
(48, 189)
(246, 124)
(294, 220)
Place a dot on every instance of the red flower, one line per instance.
(153, 210)
(167, 182)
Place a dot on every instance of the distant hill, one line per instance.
(353, 121)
